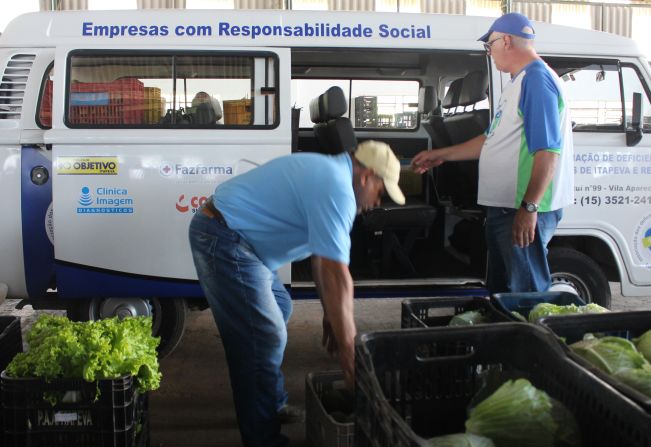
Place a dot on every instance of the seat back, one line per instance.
(334, 132)
(466, 125)
(461, 178)
(431, 119)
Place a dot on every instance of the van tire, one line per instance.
(169, 315)
(575, 271)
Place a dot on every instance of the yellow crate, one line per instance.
(237, 111)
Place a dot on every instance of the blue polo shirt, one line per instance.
(293, 207)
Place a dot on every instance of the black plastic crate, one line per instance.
(321, 429)
(572, 328)
(415, 384)
(99, 414)
(438, 311)
(524, 302)
(11, 340)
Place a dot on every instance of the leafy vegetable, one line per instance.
(460, 440)
(610, 354)
(468, 318)
(643, 344)
(639, 378)
(549, 309)
(92, 350)
(518, 414)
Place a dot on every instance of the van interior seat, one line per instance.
(459, 180)
(464, 125)
(334, 133)
(431, 119)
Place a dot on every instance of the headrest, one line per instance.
(328, 105)
(452, 96)
(427, 100)
(474, 88)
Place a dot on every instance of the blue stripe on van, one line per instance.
(76, 281)
(38, 252)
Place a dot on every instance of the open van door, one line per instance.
(140, 140)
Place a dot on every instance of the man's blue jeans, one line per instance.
(515, 269)
(251, 308)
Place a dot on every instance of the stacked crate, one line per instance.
(237, 112)
(366, 111)
(152, 105)
(107, 103)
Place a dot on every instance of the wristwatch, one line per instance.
(529, 206)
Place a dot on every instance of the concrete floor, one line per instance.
(194, 408)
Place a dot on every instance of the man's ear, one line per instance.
(365, 175)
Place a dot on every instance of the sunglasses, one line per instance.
(488, 45)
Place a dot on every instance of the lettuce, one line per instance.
(468, 318)
(609, 354)
(517, 414)
(643, 344)
(549, 309)
(92, 350)
(639, 379)
(460, 440)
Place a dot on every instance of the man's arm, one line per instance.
(542, 173)
(335, 288)
(468, 150)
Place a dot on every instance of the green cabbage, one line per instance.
(549, 309)
(643, 345)
(639, 379)
(468, 318)
(516, 415)
(609, 354)
(460, 440)
(92, 350)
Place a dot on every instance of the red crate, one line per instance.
(126, 103)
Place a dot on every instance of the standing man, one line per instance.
(525, 161)
(287, 209)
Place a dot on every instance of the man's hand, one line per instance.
(425, 160)
(524, 228)
(328, 340)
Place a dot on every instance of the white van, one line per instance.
(116, 125)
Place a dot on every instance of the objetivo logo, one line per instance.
(85, 199)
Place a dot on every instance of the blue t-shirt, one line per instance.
(293, 207)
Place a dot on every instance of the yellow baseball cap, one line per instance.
(380, 158)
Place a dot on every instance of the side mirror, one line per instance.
(634, 131)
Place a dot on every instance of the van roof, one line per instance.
(273, 28)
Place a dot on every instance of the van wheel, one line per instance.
(168, 315)
(574, 272)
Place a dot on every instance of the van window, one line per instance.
(44, 109)
(171, 91)
(633, 83)
(593, 94)
(387, 104)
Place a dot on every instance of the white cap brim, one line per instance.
(395, 193)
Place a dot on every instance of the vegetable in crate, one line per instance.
(549, 309)
(518, 414)
(468, 318)
(637, 378)
(91, 350)
(643, 344)
(609, 354)
(460, 440)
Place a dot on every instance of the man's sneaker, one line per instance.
(291, 414)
